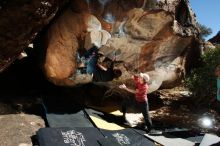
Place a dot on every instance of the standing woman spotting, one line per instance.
(141, 90)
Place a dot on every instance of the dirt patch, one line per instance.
(180, 110)
(18, 129)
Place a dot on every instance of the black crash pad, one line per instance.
(128, 137)
(78, 119)
(69, 136)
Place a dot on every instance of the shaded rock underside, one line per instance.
(154, 37)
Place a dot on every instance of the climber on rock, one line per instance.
(88, 64)
(105, 71)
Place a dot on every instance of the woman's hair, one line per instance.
(145, 81)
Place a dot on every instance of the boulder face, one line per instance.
(20, 22)
(158, 37)
(149, 36)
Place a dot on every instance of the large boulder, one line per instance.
(157, 38)
(20, 22)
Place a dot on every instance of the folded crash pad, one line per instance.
(104, 121)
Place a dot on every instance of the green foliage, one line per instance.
(202, 80)
(205, 31)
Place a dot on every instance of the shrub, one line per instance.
(202, 80)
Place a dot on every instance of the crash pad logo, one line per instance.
(121, 138)
(73, 138)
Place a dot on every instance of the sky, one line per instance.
(207, 13)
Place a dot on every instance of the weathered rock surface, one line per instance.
(20, 22)
(157, 37)
(158, 40)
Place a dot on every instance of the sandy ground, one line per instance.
(17, 129)
(18, 124)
